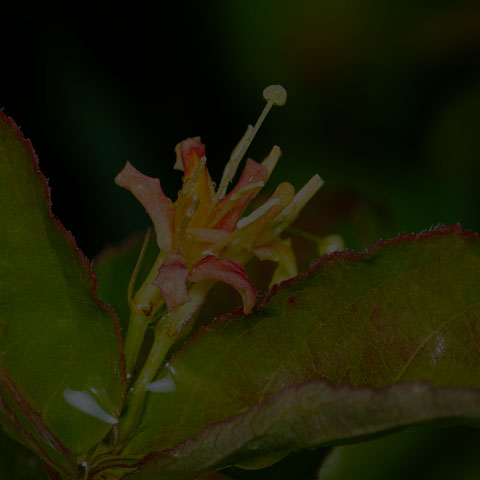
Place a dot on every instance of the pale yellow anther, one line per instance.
(330, 244)
(303, 196)
(276, 94)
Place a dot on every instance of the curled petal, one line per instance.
(172, 280)
(227, 271)
(253, 173)
(188, 154)
(148, 192)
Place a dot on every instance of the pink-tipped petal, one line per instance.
(148, 192)
(227, 271)
(253, 172)
(178, 154)
(172, 281)
(191, 151)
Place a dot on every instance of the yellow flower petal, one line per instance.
(279, 251)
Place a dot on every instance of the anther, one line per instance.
(303, 196)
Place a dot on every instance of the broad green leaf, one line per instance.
(315, 413)
(332, 356)
(54, 333)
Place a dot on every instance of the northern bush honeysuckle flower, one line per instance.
(203, 236)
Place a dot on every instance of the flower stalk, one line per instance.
(167, 332)
(144, 304)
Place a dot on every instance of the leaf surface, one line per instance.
(54, 333)
(305, 416)
(332, 356)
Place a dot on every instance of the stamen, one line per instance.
(207, 235)
(275, 95)
(193, 207)
(188, 187)
(258, 212)
(224, 207)
(189, 214)
(235, 158)
(303, 196)
(271, 161)
(242, 191)
(188, 191)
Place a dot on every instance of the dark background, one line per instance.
(384, 101)
(383, 104)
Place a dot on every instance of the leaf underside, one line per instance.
(54, 332)
(360, 345)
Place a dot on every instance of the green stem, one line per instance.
(170, 327)
(137, 327)
(302, 233)
(143, 307)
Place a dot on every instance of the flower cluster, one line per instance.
(202, 235)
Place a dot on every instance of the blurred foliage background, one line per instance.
(383, 104)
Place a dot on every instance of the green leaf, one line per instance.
(314, 413)
(332, 356)
(54, 333)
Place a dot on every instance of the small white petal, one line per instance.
(164, 385)
(83, 401)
